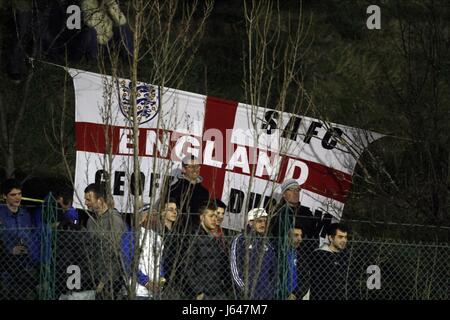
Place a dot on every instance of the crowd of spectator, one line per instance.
(176, 248)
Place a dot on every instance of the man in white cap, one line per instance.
(253, 259)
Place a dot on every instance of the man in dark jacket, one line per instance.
(189, 193)
(208, 273)
(329, 265)
(253, 260)
(289, 210)
(72, 250)
(283, 218)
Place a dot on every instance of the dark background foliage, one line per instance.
(393, 81)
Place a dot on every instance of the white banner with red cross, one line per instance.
(246, 151)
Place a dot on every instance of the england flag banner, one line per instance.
(245, 151)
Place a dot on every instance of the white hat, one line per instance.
(256, 213)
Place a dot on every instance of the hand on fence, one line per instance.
(100, 287)
(201, 296)
(19, 250)
(154, 287)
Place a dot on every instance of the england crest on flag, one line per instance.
(147, 100)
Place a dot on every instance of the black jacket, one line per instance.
(175, 246)
(72, 247)
(303, 272)
(329, 275)
(208, 262)
(190, 197)
(284, 217)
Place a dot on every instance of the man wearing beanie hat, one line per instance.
(254, 278)
(284, 217)
(289, 210)
(288, 184)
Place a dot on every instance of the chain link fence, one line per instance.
(54, 263)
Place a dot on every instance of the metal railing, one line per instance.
(68, 264)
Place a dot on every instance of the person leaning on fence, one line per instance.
(208, 274)
(329, 265)
(19, 245)
(106, 228)
(189, 193)
(254, 278)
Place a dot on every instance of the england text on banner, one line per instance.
(246, 152)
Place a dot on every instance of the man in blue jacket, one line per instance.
(19, 244)
(67, 214)
(253, 259)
